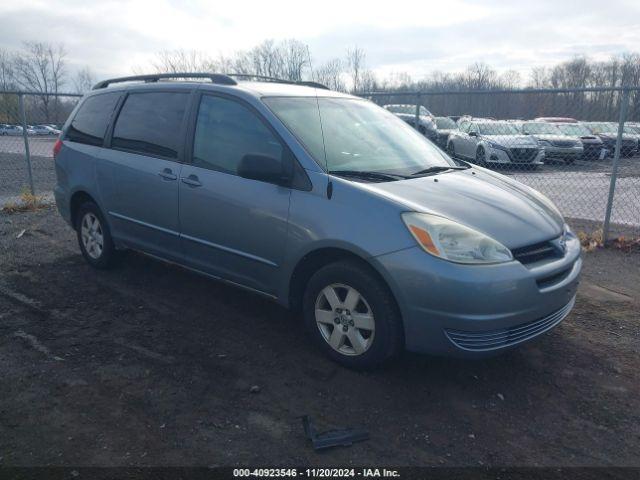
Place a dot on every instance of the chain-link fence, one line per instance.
(29, 126)
(579, 147)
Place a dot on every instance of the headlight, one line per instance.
(495, 145)
(544, 143)
(454, 242)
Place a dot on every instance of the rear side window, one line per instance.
(90, 123)
(150, 124)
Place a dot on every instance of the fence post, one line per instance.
(417, 119)
(624, 105)
(25, 136)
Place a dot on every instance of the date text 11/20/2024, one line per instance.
(316, 472)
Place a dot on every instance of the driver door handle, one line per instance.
(192, 181)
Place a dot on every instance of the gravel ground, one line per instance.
(149, 364)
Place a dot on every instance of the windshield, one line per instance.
(498, 128)
(574, 129)
(357, 135)
(541, 128)
(445, 123)
(410, 109)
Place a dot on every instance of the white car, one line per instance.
(10, 130)
(44, 130)
(486, 142)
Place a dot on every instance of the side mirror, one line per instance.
(473, 134)
(264, 168)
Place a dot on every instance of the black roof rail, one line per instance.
(219, 78)
(313, 84)
(154, 77)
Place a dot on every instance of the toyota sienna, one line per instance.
(321, 201)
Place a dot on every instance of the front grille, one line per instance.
(523, 154)
(506, 337)
(536, 252)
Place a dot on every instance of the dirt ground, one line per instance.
(149, 364)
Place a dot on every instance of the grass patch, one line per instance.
(27, 203)
(595, 240)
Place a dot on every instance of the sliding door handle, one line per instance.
(191, 180)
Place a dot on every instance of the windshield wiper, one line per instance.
(369, 175)
(436, 169)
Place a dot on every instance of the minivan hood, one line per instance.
(504, 209)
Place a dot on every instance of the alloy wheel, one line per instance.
(345, 319)
(92, 235)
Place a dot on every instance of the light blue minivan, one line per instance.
(322, 201)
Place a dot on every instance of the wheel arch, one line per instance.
(317, 258)
(77, 199)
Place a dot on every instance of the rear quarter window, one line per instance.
(90, 122)
(150, 124)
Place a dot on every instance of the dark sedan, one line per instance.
(444, 127)
(608, 133)
(592, 145)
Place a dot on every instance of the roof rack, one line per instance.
(313, 84)
(214, 77)
(219, 78)
(278, 80)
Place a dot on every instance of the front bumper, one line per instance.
(474, 310)
(563, 153)
(497, 155)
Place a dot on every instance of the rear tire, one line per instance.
(94, 237)
(352, 316)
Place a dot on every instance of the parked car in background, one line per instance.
(608, 133)
(488, 142)
(556, 145)
(633, 132)
(555, 120)
(11, 130)
(43, 130)
(426, 123)
(444, 126)
(53, 130)
(593, 148)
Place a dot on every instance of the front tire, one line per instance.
(94, 237)
(352, 316)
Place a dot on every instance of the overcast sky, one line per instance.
(113, 37)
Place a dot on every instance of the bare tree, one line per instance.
(84, 80)
(295, 59)
(330, 74)
(41, 68)
(8, 103)
(177, 61)
(355, 66)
